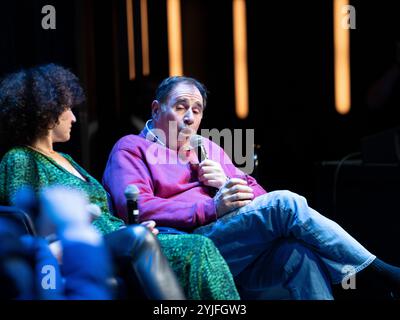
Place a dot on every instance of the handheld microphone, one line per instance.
(131, 195)
(196, 142)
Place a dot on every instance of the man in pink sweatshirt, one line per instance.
(275, 244)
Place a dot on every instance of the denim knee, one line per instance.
(286, 199)
(283, 202)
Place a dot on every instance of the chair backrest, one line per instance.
(19, 218)
(110, 204)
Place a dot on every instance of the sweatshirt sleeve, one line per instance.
(124, 168)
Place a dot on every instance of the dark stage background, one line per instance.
(290, 56)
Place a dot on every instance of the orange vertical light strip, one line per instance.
(174, 37)
(130, 33)
(145, 37)
(240, 58)
(341, 59)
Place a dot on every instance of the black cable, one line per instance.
(336, 178)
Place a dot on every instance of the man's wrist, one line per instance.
(224, 182)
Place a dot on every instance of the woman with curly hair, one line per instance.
(36, 112)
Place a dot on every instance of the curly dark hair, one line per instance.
(32, 100)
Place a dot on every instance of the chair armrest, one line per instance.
(19, 217)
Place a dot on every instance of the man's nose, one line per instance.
(188, 118)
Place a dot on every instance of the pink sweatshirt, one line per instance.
(170, 192)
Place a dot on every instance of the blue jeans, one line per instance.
(264, 236)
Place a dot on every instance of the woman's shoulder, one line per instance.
(18, 161)
(18, 154)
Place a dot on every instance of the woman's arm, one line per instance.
(18, 169)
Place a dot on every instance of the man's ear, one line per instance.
(155, 109)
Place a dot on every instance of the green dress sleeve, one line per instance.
(18, 169)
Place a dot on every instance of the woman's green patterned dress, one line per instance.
(199, 266)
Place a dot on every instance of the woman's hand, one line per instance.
(151, 225)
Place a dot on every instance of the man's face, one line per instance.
(180, 116)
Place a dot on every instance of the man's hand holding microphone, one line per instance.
(232, 193)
